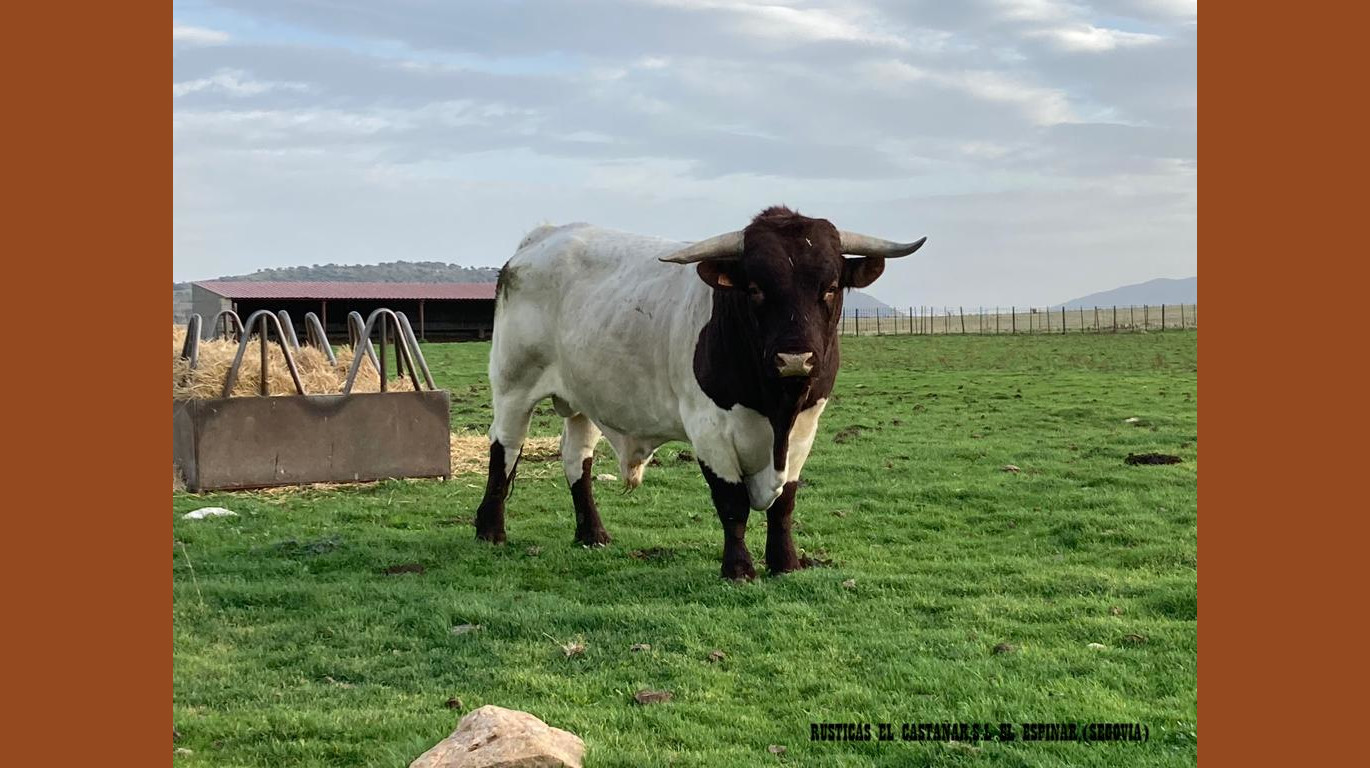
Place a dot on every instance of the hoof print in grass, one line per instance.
(1134, 459)
(645, 697)
(717, 655)
(1005, 648)
(395, 570)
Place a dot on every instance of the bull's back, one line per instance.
(610, 327)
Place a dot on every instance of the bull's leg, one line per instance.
(734, 506)
(578, 438)
(780, 554)
(506, 446)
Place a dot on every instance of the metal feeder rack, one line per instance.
(257, 442)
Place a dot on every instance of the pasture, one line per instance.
(295, 644)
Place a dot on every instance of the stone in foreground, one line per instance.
(495, 737)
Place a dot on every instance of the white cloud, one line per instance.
(1088, 38)
(1043, 106)
(787, 24)
(234, 82)
(185, 33)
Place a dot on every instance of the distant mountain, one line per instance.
(1162, 290)
(865, 302)
(391, 272)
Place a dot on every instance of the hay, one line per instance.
(471, 452)
(319, 377)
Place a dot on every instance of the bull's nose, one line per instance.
(789, 364)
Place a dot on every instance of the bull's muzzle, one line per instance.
(790, 364)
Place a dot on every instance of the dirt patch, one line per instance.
(296, 548)
(1151, 458)
(819, 559)
(848, 434)
(652, 554)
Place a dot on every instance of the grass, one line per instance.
(292, 646)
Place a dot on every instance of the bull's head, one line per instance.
(789, 272)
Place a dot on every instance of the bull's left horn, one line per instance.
(718, 248)
(855, 244)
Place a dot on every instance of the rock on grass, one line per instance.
(494, 736)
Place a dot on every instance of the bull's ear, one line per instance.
(861, 272)
(721, 275)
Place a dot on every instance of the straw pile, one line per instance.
(471, 453)
(319, 377)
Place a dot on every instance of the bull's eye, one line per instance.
(754, 291)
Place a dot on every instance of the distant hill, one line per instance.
(391, 272)
(865, 302)
(1162, 290)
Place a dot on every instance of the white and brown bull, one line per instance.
(736, 356)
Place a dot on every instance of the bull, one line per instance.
(737, 356)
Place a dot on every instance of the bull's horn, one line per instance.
(856, 244)
(718, 248)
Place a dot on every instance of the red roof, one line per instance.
(232, 289)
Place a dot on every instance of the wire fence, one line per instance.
(1019, 320)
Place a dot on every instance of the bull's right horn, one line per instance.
(857, 244)
(718, 248)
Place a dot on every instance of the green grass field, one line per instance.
(292, 646)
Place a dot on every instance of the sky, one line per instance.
(1046, 149)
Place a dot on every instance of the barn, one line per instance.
(438, 311)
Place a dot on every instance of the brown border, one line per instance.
(86, 225)
(1283, 252)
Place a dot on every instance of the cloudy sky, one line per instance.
(1047, 149)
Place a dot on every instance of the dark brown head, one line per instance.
(790, 271)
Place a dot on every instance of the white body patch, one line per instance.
(591, 317)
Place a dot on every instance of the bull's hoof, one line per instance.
(785, 566)
(738, 570)
(494, 536)
(597, 538)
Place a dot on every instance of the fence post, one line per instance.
(962, 310)
(1162, 317)
(1146, 317)
(1013, 319)
(996, 321)
(1132, 316)
(1063, 319)
(858, 321)
(1182, 325)
(1096, 319)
